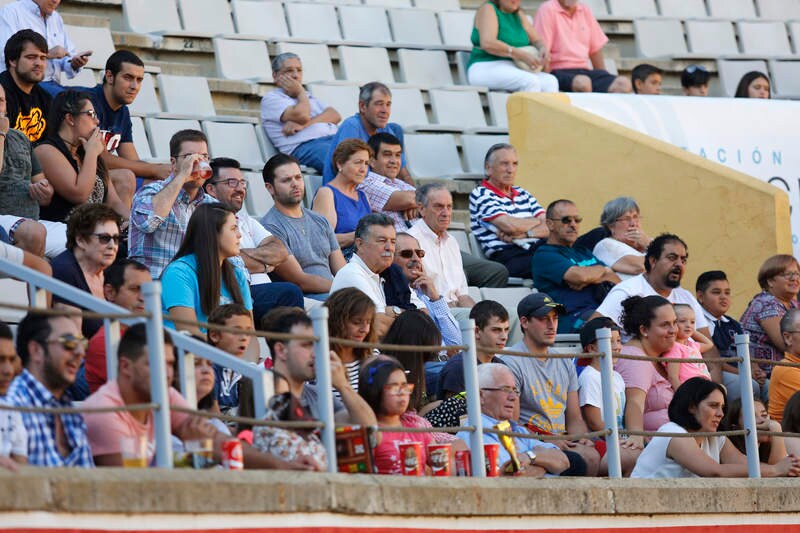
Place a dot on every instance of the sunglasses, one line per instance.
(105, 238)
(397, 389)
(408, 254)
(569, 220)
(691, 69)
(90, 112)
(70, 342)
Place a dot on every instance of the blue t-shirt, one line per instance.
(550, 263)
(348, 211)
(116, 124)
(181, 288)
(352, 128)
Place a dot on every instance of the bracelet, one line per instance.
(510, 51)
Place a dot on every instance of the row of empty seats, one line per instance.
(728, 9)
(784, 75)
(309, 22)
(662, 37)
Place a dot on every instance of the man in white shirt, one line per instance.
(375, 240)
(665, 264)
(260, 251)
(42, 17)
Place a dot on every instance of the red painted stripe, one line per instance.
(760, 528)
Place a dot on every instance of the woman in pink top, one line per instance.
(651, 322)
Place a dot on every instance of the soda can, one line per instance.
(463, 464)
(411, 458)
(440, 459)
(232, 455)
(492, 457)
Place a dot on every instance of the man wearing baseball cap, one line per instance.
(549, 387)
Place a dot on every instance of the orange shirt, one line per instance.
(571, 39)
(784, 382)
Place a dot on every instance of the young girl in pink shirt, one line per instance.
(689, 344)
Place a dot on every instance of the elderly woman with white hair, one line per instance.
(624, 248)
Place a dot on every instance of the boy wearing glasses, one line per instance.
(51, 349)
(571, 274)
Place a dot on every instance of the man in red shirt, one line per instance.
(574, 38)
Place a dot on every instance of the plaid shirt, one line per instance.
(153, 240)
(26, 391)
(379, 189)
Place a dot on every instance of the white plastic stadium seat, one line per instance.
(456, 27)
(257, 201)
(98, 40)
(438, 5)
(712, 37)
(342, 97)
(785, 79)
(239, 59)
(475, 293)
(424, 67)
(417, 27)
(14, 292)
(731, 71)
(361, 64)
(408, 108)
(86, 77)
(633, 8)
(315, 59)
(460, 108)
(161, 130)
(432, 156)
(151, 16)
(794, 34)
(475, 147)
(508, 297)
(236, 140)
(732, 9)
(778, 9)
(146, 102)
(388, 3)
(206, 16)
(186, 95)
(764, 38)
(497, 108)
(140, 139)
(683, 9)
(316, 22)
(254, 17)
(461, 238)
(659, 37)
(365, 23)
(599, 8)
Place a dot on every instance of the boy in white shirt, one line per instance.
(13, 437)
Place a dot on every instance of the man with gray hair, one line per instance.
(374, 110)
(295, 122)
(507, 220)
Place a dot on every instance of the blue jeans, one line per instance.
(52, 88)
(313, 153)
(267, 296)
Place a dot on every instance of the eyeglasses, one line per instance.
(105, 238)
(233, 183)
(505, 388)
(568, 220)
(790, 275)
(203, 157)
(71, 342)
(90, 112)
(691, 69)
(408, 254)
(397, 389)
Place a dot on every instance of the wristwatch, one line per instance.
(531, 456)
(396, 310)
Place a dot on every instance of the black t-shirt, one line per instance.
(27, 113)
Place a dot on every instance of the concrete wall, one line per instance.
(730, 221)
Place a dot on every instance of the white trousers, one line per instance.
(503, 75)
(56, 240)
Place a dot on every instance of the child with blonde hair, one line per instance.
(689, 344)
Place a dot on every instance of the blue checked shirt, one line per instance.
(153, 240)
(26, 391)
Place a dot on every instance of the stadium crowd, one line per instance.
(374, 249)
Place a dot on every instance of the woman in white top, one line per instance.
(624, 249)
(698, 406)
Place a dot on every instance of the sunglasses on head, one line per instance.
(691, 69)
(408, 254)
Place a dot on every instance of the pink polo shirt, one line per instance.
(571, 39)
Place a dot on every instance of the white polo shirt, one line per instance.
(442, 261)
(356, 274)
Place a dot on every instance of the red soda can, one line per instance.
(492, 457)
(440, 459)
(411, 459)
(232, 455)
(463, 464)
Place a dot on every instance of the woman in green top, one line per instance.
(500, 33)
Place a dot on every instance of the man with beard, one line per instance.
(314, 254)
(664, 263)
(51, 349)
(260, 251)
(571, 274)
(28, 105)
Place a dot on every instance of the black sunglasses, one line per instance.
(105, 238)
(408, 254)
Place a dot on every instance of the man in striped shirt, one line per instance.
(507, 220)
